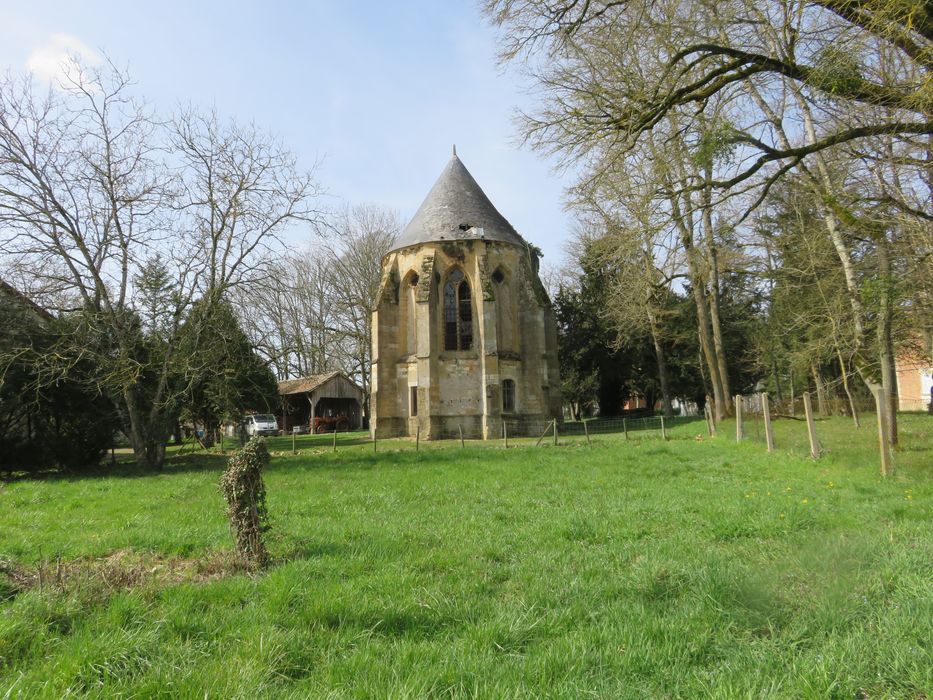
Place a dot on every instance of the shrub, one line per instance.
(245, 492)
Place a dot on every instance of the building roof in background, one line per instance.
(305, 385)
(21, 298)
(456, 208)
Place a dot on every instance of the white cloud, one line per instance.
(56, 58)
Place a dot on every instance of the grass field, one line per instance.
(628, 569)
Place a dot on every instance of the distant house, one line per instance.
(914, 380)
(332, 399)
(20, 318)
(11, 298)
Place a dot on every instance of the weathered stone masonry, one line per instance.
(463, 330)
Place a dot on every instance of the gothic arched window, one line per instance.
(458, 313)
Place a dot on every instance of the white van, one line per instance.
(260, 424)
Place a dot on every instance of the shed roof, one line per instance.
(305, 385)
(456, 208)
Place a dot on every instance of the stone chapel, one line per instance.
(463, 330)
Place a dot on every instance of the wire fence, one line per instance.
(542, 431)
(815, 427)
(804, 426)
(839, 405)
(514, 433)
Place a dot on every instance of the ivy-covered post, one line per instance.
(245, 492)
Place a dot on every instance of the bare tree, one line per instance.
(94, 189)
(313, 312)
(365, 234)
(625, 66)
(837, 92)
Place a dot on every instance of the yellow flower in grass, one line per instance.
(781, 516)
(805, 501)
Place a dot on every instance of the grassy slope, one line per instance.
(640, 569)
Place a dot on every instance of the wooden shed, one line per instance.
(321, 403)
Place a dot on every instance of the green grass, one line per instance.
(691, 568)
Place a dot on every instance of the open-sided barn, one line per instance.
(321, 402)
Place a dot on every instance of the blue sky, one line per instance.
(377, 91)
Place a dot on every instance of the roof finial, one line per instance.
(455, 150)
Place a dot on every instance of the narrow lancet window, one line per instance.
(458, 313)
(508, 395)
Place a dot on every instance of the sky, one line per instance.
(375, 93)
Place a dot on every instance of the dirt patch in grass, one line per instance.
(119, 570)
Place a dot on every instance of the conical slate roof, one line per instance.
(456, 208)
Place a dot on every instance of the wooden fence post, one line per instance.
(460, 428)
(708, 414)
(625, 427)
(766, 414)
(663, 430)
(294, 449)
(548, 427)
(811, 427)
(335, 438)
(418, 437)
(883, 444)
(554, 423)
(739, 423)
(505, 434)
(374, 440)
(587, 432)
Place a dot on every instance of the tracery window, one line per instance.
(458, 313)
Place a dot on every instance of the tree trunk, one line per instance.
(683, 221)
(779, 394)
(845, 384)
(820, 389)
(715, 323)
(706, 344)
(886, 340)
(210, 433)
(148, 447)
(663, 374)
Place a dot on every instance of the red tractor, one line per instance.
(330, 424)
